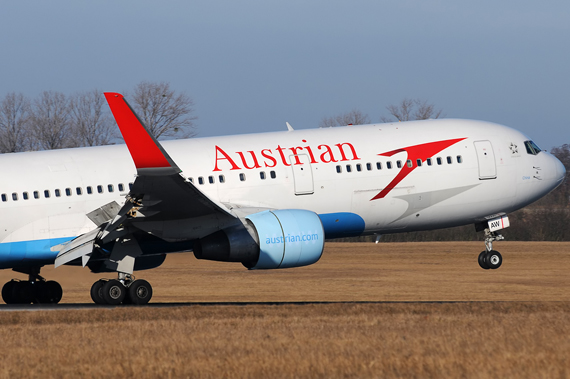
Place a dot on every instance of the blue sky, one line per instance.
(251, 65)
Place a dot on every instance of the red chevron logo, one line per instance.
(422, 151)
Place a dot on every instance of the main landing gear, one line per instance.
(125, 290)
(490, 259)
(34, 290)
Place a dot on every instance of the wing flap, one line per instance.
(77, 248)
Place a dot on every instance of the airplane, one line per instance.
(266, 200)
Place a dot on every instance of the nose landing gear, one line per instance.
(490, 259)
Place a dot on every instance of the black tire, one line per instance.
(40, 293)
(49, 292)
(24, 292)
(140, 292)
(493, 259)
(8, 292)
(114, 292)
(482, 260)
(97, 292)
(52, 293)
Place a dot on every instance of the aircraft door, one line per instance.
(302, 174)
(486, 160)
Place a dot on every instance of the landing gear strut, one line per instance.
(34, 290)
(490, 259)
(125, 290)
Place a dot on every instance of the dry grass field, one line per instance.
(387, 310)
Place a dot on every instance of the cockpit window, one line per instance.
(532, 148)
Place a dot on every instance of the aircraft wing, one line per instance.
(160, 188)
(161, 201)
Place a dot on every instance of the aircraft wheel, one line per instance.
(494, 259)
(140, 292)
(40, 294)
(8, 292)
(52, 292)
(24, 292)
(97, 292)
(114, 292)
(482, 260)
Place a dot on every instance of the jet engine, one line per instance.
(266, 240)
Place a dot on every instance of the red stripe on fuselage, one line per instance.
(422, 151)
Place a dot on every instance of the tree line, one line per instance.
(55, 121)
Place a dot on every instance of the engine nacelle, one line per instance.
(269, 239)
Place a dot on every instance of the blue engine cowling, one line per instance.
(267, 240)
(288, 238)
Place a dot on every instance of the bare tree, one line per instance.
(49, 121)
(90, 122)
(164, 113)
(354, 117)
(14, 116)
(412, 109)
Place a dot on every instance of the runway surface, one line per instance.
(358, 272)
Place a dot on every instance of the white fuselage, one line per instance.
(341, 170)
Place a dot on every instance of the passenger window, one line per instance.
(399, 164)
(110, 187)
(121, 187)
(89, 190)
(190, 179)
(211, 179)
(4, 198)
(369, 166)
(272, 174)
(358, 167)
(68, 191)
(36, 195)
(46, 194)
(130, 186)
(222, 179)
(15, 196)
(78, 190)
(378, 166)
(428, 161)
(419, 162)
(25, 195)
(438, 161)
(449, 160)
(262, 175)
(57, 193)
(100, 188)
(348, 168)
(459, 159)
(409, 163)
(389, 165)
(338, 169)
(242, 177)
(200, 180)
